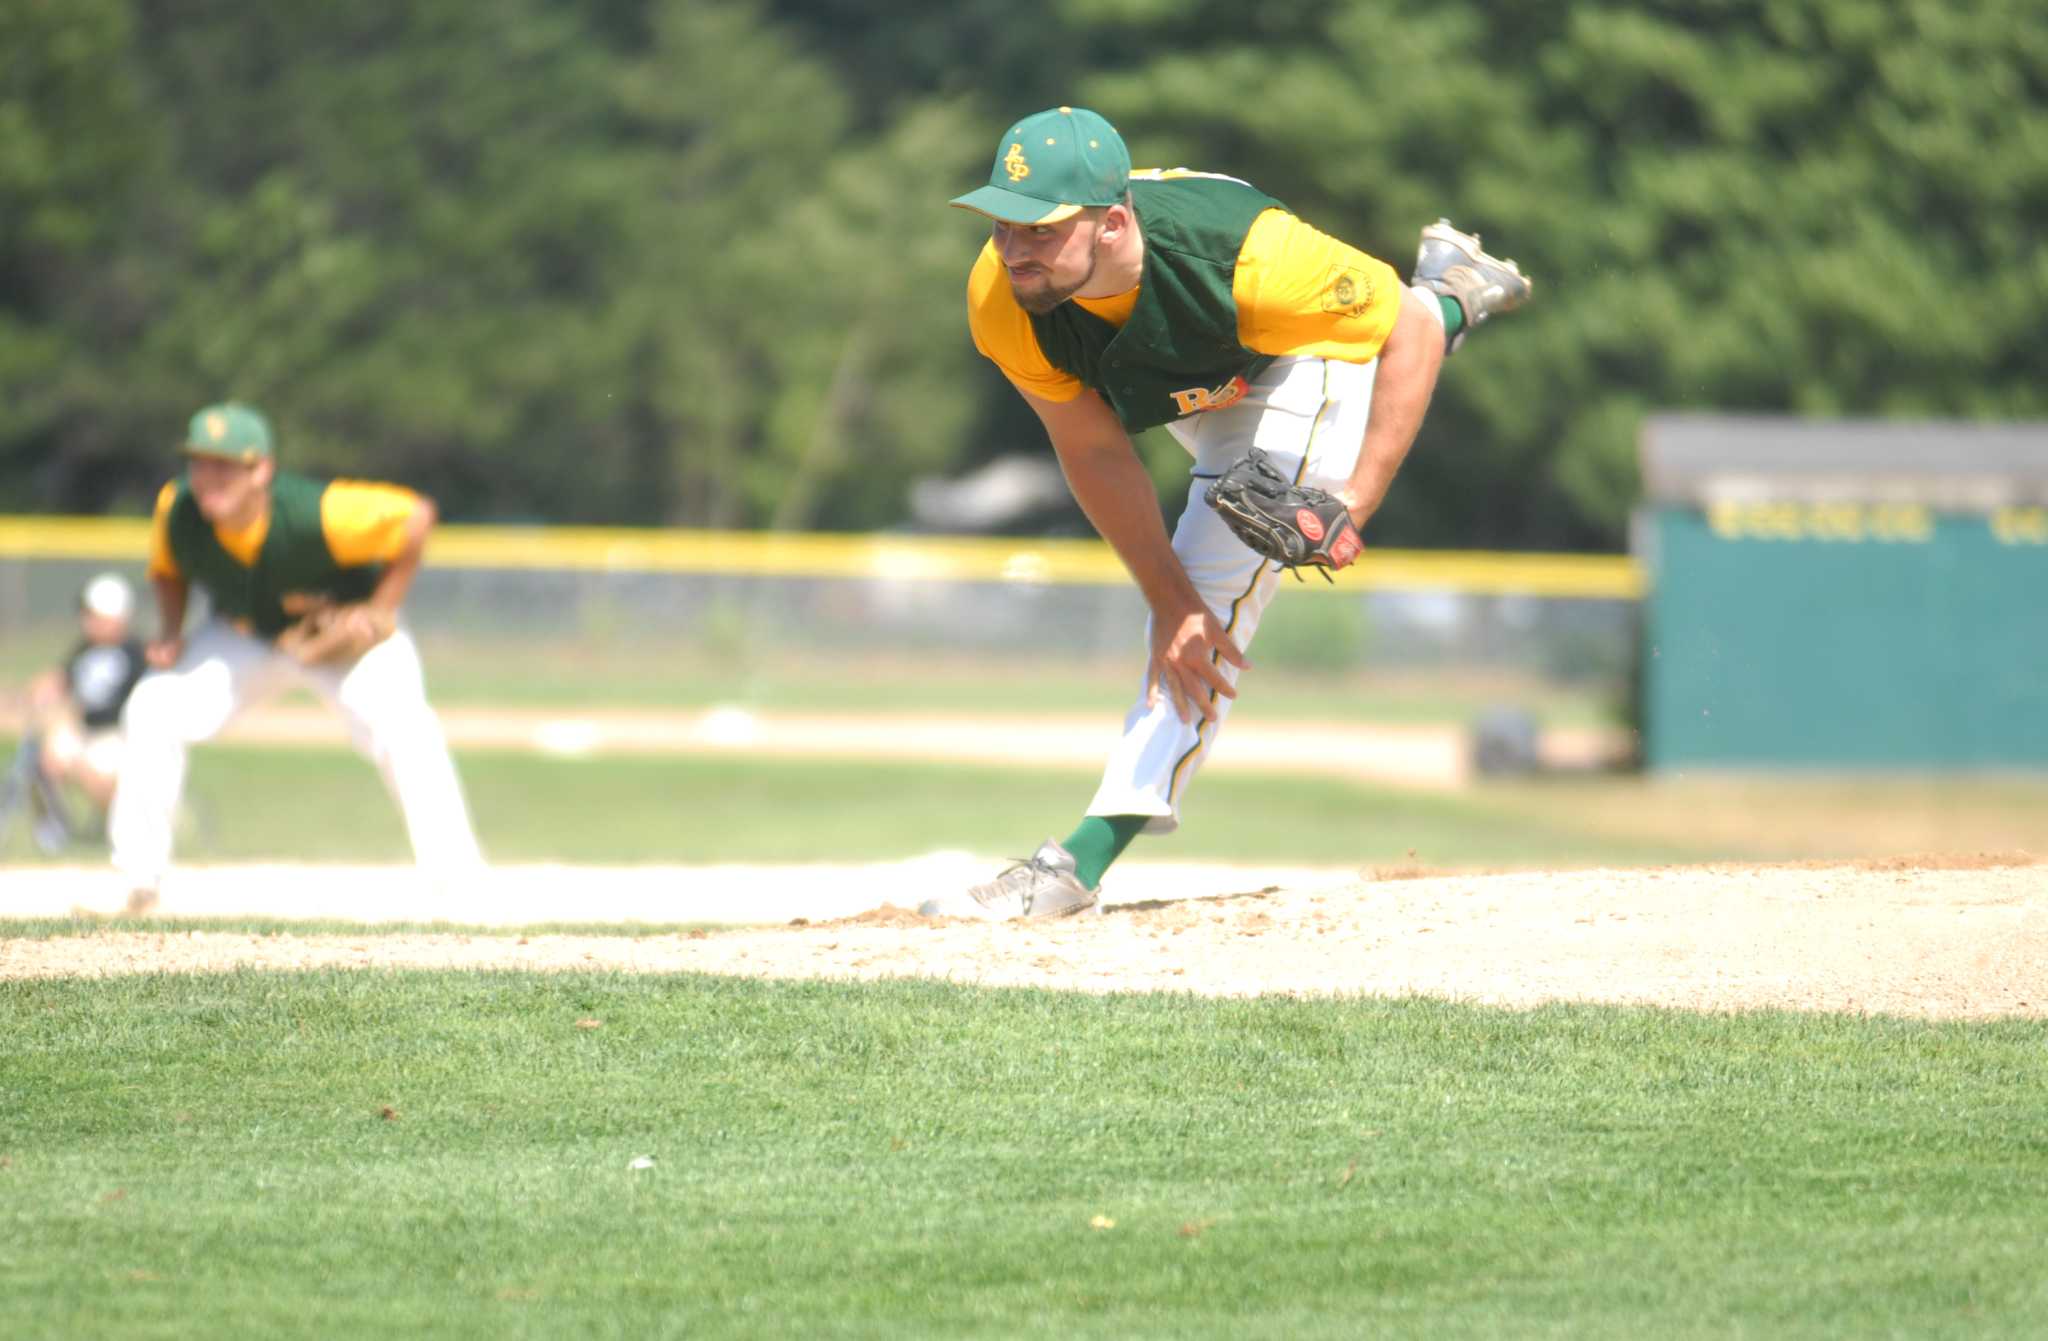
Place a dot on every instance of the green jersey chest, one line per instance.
(293, 561)
(1179, 352)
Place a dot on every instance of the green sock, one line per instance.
(1454, 316)
(1100, 840)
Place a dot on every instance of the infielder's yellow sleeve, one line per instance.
(1301, 291)
(161, 562)
(365, 521)
(1002, 330)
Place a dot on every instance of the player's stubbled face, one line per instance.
(227, 491)
(1047, 263)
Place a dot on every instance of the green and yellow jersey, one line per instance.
(1283, 288)
(317, 539)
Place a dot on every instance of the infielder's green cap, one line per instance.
(229, 429)
(1052, 165)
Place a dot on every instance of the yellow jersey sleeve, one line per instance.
(161, 562)
(365, 521)
(1300, 291)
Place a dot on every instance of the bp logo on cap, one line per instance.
(1051, 166)
(229, 429)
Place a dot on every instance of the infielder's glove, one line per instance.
(331, 634)
(1295, 525)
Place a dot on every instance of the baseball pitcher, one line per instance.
(1294, 369)
(305, 580)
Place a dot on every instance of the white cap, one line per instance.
(110, 595)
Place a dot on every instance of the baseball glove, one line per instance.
(331, 634)
(1295, 525)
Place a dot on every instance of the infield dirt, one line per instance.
(1956, 937)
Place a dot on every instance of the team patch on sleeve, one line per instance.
(1348, 292)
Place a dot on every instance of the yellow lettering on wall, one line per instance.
(1837, 523)
(2020, 526)
(1906, 522)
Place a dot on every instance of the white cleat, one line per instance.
(141, 901)
(1047, 885)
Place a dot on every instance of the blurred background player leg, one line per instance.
(88, 760)
(220, 673)
(383, 697)
(61, 757)
(29, 792)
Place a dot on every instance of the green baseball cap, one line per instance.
(1052, 165)
(229, 429)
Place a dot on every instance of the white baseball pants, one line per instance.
(382, 697)
(1300, 410)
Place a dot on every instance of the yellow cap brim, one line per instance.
(1009, 207)
(245, 457)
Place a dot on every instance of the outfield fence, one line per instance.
(1562, 617)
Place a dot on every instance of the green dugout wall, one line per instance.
(1844, 595)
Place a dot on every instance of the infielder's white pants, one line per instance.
(1299, 409)
(382, 697)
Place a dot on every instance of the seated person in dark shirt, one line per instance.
(75, 707)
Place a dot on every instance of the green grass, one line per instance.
(448, 1155)
(572, 677)
(326, 805)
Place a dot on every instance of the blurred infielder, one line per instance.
(305, 579)
(73, 730)
(1117, 301)
(78, 704)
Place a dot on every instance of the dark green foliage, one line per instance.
(1741, 206)
(687, 261)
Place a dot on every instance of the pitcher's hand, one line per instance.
(1184, 663)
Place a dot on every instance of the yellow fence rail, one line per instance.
(893, 557)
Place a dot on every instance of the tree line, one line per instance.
(688, 262)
